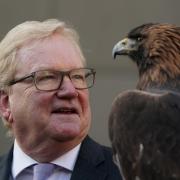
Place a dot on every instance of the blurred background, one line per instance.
(100, 23)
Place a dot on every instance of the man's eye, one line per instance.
(78, 77)
(46, 78)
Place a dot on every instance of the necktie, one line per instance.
(42, 171)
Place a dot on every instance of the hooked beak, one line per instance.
(124, 47)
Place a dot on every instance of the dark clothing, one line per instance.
(94, 162)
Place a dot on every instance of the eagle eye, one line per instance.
(139, 39)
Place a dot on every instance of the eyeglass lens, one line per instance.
(51, 80)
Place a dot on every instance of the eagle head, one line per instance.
(155, 48)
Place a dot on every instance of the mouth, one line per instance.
(65, 110)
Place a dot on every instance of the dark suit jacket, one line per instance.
(93, 163)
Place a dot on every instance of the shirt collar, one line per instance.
(66, 161)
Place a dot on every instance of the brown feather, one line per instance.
(157, 55)
(144, 124)
(163, 46)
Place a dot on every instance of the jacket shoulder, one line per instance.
(100, 156)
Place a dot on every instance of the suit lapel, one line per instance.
(5, 165)
(90, 162)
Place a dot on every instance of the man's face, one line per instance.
(40, 117)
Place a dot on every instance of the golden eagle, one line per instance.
(144, 124)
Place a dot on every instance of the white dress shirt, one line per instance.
(21, 162)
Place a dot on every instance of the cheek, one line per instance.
(30, 105)
(85, 104)
(32, 114)
(40, 105)
(42, 99)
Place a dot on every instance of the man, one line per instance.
(44, 102)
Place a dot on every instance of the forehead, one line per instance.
(55, 52)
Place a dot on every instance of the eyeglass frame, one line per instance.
(63, 73)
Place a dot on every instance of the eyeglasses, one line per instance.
(49, 80)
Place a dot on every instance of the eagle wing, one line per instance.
(144, 129)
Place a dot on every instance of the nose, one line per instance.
(67, 89)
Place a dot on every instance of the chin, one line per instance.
(65, 137)
(66, 133)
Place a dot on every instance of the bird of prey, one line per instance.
(144, 124)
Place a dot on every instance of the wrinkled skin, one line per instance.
(41, 133)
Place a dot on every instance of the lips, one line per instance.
(65, 110)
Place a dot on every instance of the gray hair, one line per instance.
(25, 32)
(22, 34)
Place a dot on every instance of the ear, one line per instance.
(5, 107)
